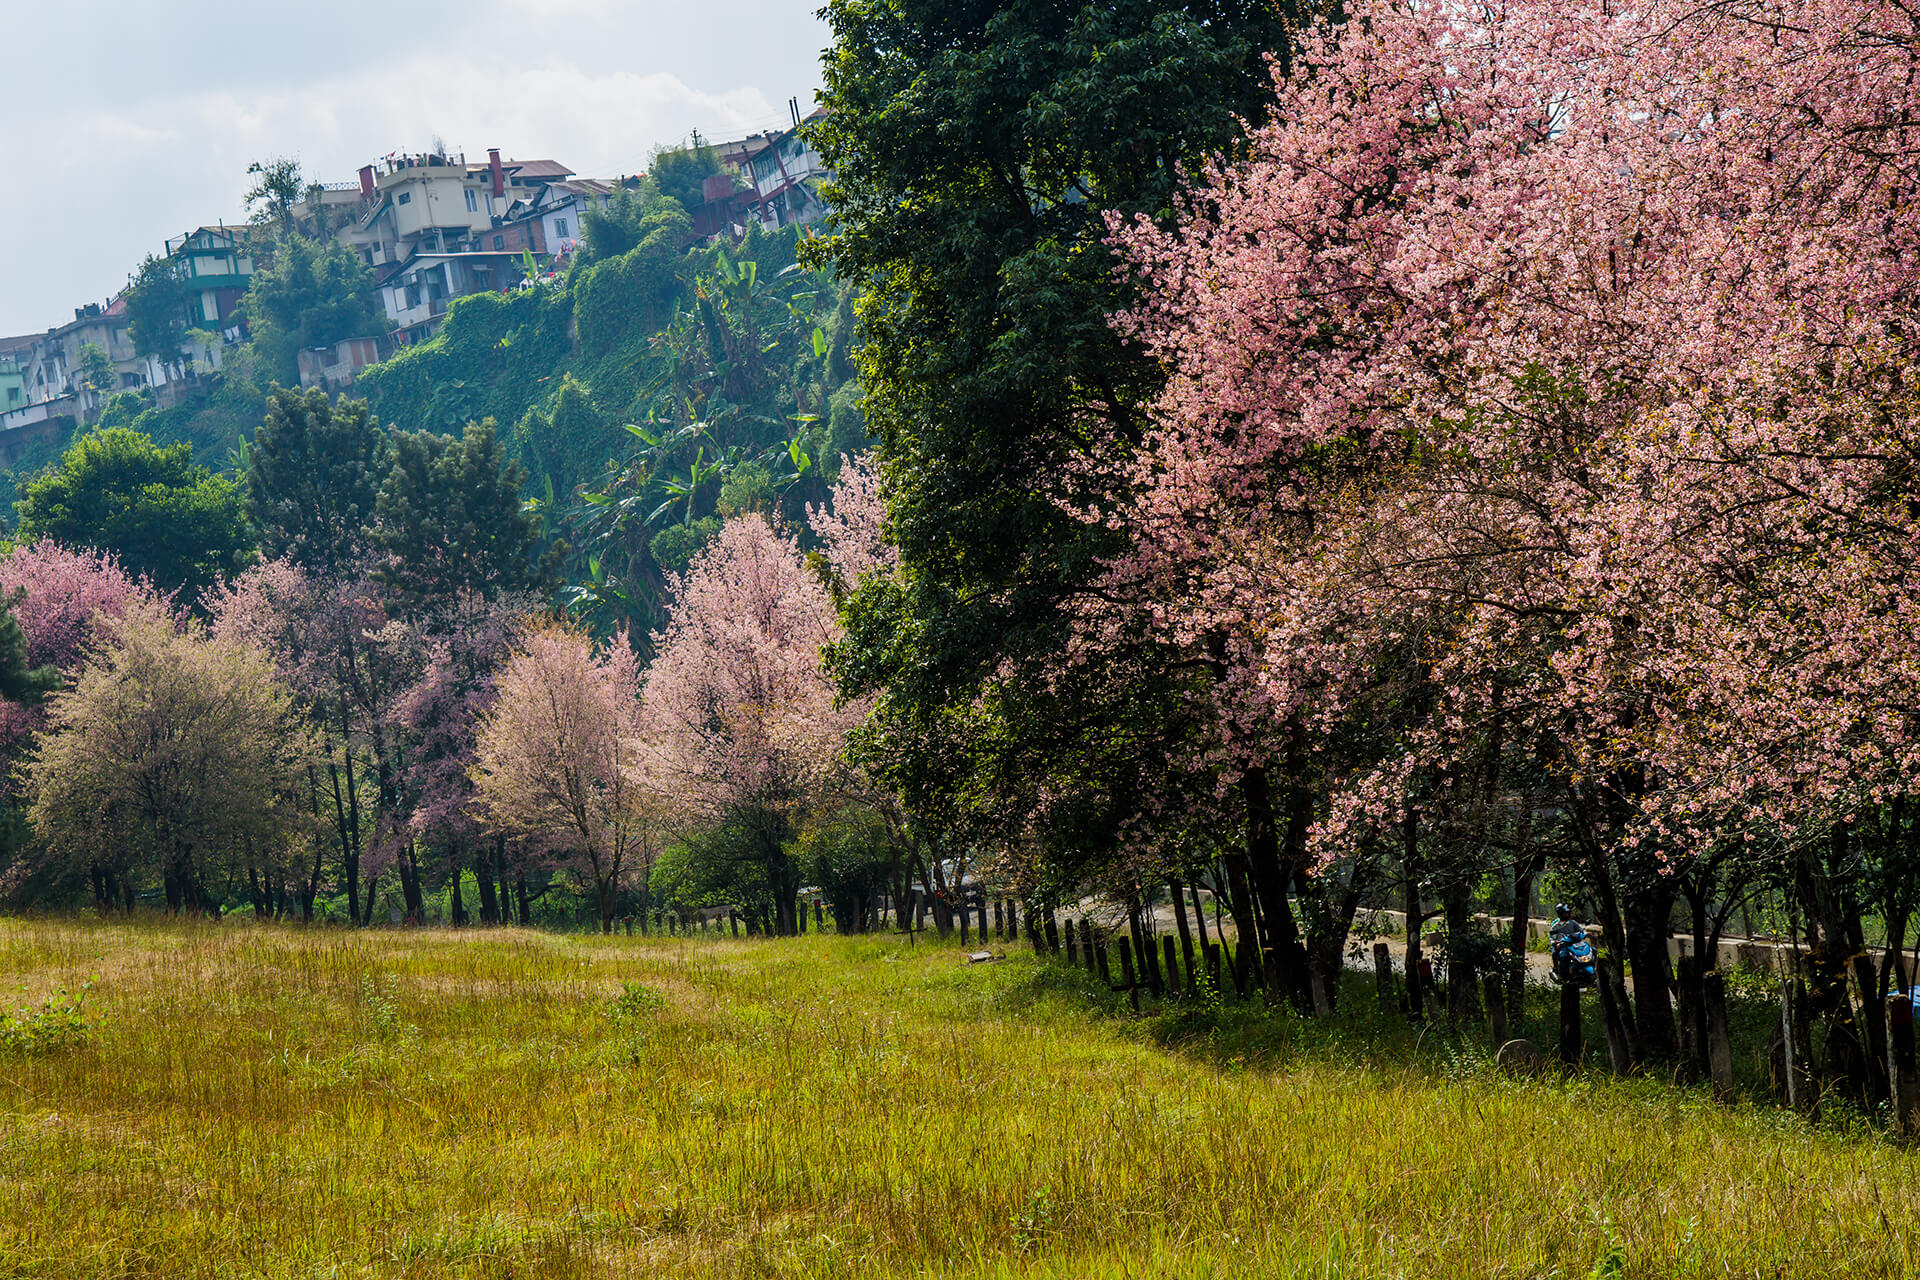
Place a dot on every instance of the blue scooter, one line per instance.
(1573, 959)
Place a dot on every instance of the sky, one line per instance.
(129, 121)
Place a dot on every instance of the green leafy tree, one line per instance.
(159, 309)
(96, 369)
(314, 477)
(619, 225)
(314, 294)
(680, 173)
(450, 518)
(163, 515)
(976, 151)
(276, 188)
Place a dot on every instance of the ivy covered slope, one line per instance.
(650, 390)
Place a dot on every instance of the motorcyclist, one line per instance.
(1567, 936)
(1565, 927)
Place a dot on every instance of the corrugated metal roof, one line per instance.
(536, 169)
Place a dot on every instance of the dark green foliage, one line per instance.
(159, 309)
(496, 356)
(20, 682)
(570, 437)
(624, 223)
(166, 517)
(674, 547)
(633, 290)
(312, 294)
(96, 369)
(680, 172)
(849, 856)
(450, 518)
(977, 148)
(750, 487)
(314, 478)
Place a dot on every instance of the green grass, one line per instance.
(259, 1101)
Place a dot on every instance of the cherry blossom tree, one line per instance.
(748, 727)
(559, 760)
(1540, 371)
(64, 596)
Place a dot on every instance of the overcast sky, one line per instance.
(128, 122)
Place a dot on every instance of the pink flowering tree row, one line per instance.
(1534, 472)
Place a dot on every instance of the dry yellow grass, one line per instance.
(257, 1101)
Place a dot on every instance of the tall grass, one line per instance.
(253, 1101)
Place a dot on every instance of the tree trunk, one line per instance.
(489, 900)
(1283, 961)
(1246, 944)
(1647, 913)
(1410, 905)
(607, 892)
(1462, 980)
(349, 843)
(1528, 866)
(456, 899)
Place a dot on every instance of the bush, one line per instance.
(58, 1023)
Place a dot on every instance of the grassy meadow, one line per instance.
(277, 1102)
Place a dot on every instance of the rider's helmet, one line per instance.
(1564, 911)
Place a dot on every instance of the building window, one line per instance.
(405, 197)
(473, 200)
(499, 242)
(560, 228)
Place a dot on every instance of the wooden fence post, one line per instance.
(1570, 1046)
(1612, 1021)
(1496, 996)
(1175, 891)
(1126, 972)
(1713, 998)
(733, 920)
(1073, 952)
(1900, 1065)
(1383, 976)
(1013, 920)
(1173, 973)
(1686, 982)
(1796, 1038)
(1088, 934)
(1053, 935)
(1100, 954)
(1240, 958)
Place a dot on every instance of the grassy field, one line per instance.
(256, 1101)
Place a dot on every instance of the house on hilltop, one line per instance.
(776, 180)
